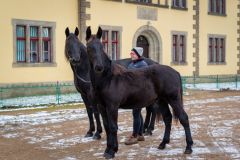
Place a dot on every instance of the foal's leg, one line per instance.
(112, 115)
(167, 118)
(103, 112)
(183, 118)
(147, 119)
(152, 121)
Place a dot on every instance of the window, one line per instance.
(21, 44)
(34, 45)
(111, 45)
(217, 7)
(105, 41)
(145, 1)
(216, 49)
(46, 44)
(178, 48)
(34, 51)
(111, 41)
(115, 45)
(179, 3)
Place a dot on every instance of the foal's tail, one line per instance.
(181, 89)
(180, 93)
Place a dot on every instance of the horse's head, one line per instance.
(72, 47)
(95, 50)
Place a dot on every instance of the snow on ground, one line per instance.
(214, 86)
(41, 100)
(220, 134)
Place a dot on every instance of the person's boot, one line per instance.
(140, 138)
(131, 140)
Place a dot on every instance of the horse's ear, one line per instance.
(76, 31)
(88, 33)
(99, 33)
(67, 32)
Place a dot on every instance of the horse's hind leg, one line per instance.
(167, 118)
(183, 118)
(152, 120)
(147, 119)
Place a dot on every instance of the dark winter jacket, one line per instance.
(139, 63)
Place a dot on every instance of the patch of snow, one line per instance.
(69, 158)
(44, 117)
(221, 132)
(41, 100)
(213, 86)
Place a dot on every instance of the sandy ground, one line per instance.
(59, 134)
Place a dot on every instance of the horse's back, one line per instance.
(127, 61)
(165, 78)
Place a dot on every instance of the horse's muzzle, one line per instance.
(98, 69)
(74, 61)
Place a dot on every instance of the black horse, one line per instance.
(115, 87)
(75, 53)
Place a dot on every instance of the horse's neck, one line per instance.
(81, 71)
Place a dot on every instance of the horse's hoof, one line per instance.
(108, 156)
(161, 146)
(188, 151)
(148, 133)
(88, 135)
(96, 136)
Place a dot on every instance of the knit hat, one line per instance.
(138, 51)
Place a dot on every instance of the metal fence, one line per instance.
(38, 95)
(217, 82)
(60, 93)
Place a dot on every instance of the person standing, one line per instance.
(137, 62)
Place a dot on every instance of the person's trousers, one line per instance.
(137, 122)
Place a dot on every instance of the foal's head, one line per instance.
(95, 50)
(72, 47)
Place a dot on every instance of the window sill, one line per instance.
(179, 8)
(217, 14)
(15, 64)
(179, 63)
(147, 4)
(216, 63)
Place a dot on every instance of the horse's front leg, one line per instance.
(98, 132)
(91, 122)
(112, 115)
(90, 116)
(103, 112)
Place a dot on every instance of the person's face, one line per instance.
(134, 56)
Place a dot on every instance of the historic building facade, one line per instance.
(194, 37)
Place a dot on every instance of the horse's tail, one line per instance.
(158, 112)
(181, 89)
(180, 93)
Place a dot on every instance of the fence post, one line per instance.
(194, 81)
(1, 100)
(58, 93)
(217, 82)
(236, 79)
(184, 85)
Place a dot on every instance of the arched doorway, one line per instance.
(154, 41)
(143, 42)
